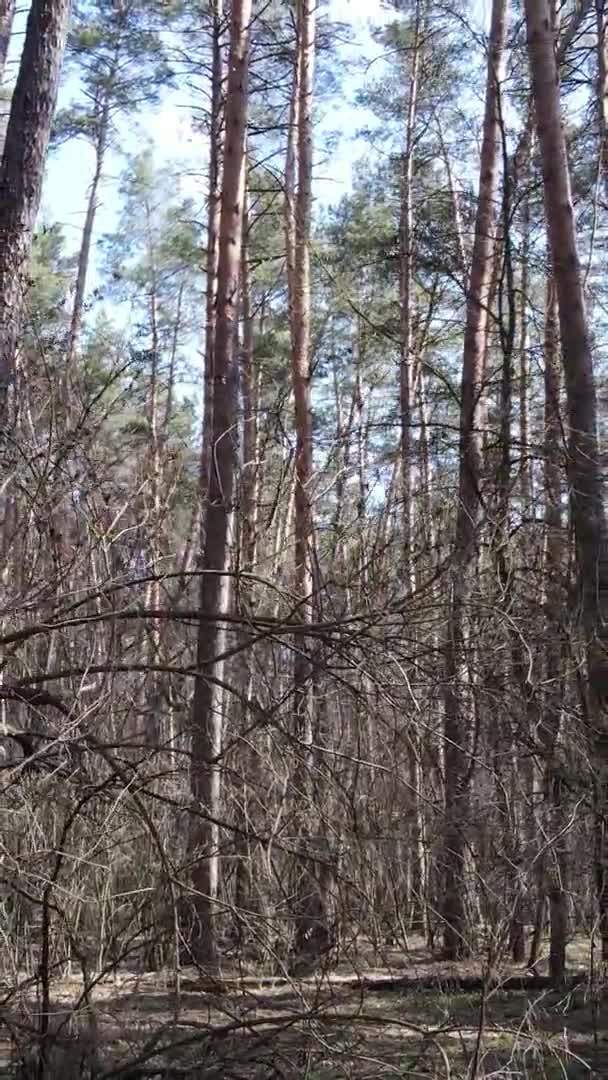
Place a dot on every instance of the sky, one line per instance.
(170, 129)
(175, 140)
(177, 143)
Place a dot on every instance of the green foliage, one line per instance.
(49, 281)
(158, 237)
(121, 58)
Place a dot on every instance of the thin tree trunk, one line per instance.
(84, 254)
(216, 149)
(426, 471)
(215, 593)
(362, 433)
(538, 929)
(524, 365)
(168, 411)
(457, 765)
(7, 14)
(300, 359)
(342, 444)
(456, 211)
(22, 169)
(491, 332)
(291, 169)
(552, 435)
(249, 773)
(310, 928)
(507, 325)
(415, 885)
(552, 866)
(249, 392)
(406, 274)
(556, 856)
(154, 471)
(585, 476)
(282, 520)
(601, 15)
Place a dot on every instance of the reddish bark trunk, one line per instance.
(585, 475)
(7, 14)
(457, 765)
(216, 135)
(23, 161)
(215, 593)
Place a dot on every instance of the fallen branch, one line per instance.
(385, 984)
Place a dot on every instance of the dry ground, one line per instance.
(353, 1022)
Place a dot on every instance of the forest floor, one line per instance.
(354, 1021)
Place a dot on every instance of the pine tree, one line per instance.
(119, 52)
(23, 160)
(217, 531)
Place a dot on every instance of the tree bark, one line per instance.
(22, 169)
(524, 365)
(216, 137)
(249, 775)
(457, 765)
(310, 923)
(84, 254)
(7, 14)
(154, 468)
(584, 471)
(461, 259)
(215, 594)
(301, 359)
(601, 16)
(291, 168)
(553, 865)
(406, 273)
(249, 397)
(416, 877)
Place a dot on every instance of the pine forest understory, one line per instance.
(304, 539)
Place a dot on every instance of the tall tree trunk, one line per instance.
(300, 357)
(585, 476)
(552, 435)
(554, 837)
(215, 592)
(22, 169)
(406, 276)
(309, 915)
(84, 254)
(461, 259)
(551, 865)
(524, 365)
(415, 876)
(601, 15)
(249, 775)
(154, 499)
(171, 374)
(216, 151)
(7, 14)
(249, 395)
(291, 169)
(507, 326)
(457, 764)
(362, 439)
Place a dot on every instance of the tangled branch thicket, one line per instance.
(303, 751)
